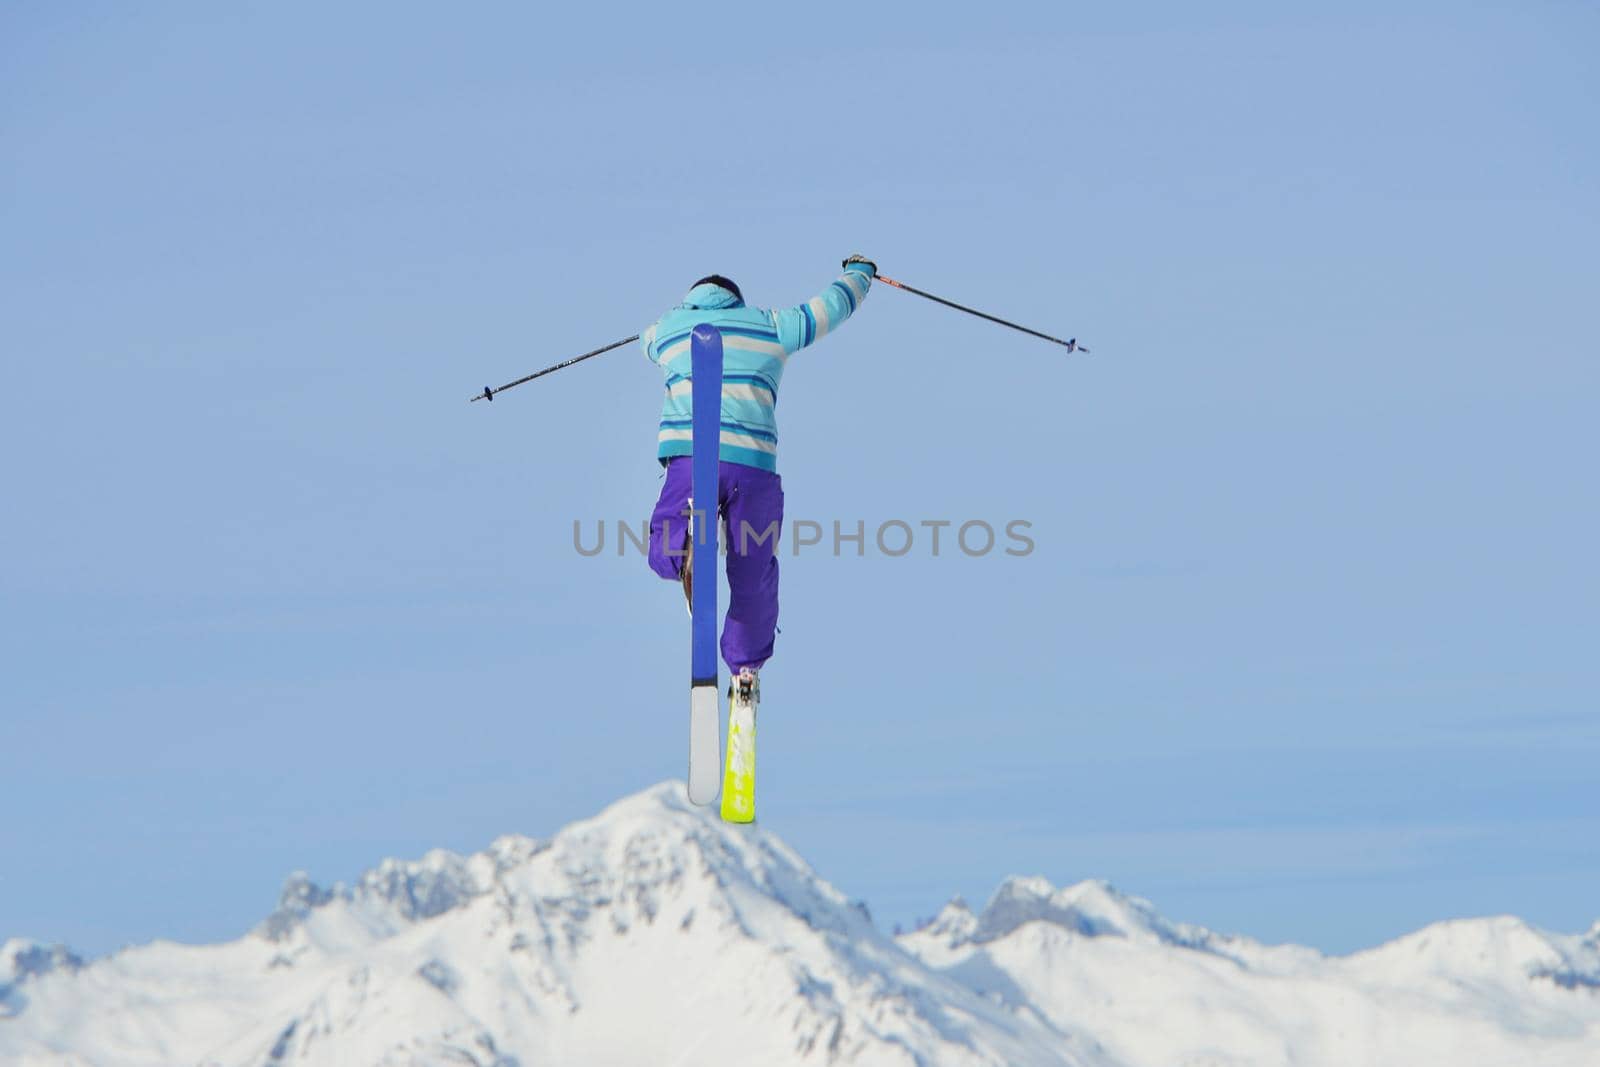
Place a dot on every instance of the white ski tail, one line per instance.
(705, 749)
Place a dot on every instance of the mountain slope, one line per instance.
(654, 933)
(1483, 991)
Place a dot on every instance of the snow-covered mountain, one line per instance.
(654, 933)
(1481, 991)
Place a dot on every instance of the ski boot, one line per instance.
(745, 687)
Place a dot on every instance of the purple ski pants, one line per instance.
(752, 509)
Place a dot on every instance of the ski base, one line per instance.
(705, 357)
(705, 764)
(739, 776)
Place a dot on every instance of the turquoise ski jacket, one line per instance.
(756, 346)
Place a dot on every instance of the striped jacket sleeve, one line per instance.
(811, 321)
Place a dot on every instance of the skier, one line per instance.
(756, 345)
(741, 353)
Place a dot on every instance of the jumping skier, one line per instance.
(734, 356)
(757, 344)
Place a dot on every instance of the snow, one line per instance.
(1481, 991)
(654, 933)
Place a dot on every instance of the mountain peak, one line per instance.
(624, 915)
(955, 923)
(21, 961)
(1091, 908)
(397, 892)
(1497, 946)
(422, 889)
(656, 837)
(630, 849)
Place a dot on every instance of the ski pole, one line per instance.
(488, 394)
(1070, 346)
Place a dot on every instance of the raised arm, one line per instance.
(811, 321)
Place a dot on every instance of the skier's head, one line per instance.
(717, 279)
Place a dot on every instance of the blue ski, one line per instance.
(705, 757)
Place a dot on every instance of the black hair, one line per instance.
(726, 283)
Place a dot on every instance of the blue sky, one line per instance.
(1306, 646)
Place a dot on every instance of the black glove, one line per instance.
(872, 268)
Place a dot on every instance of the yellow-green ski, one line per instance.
(739, 772)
